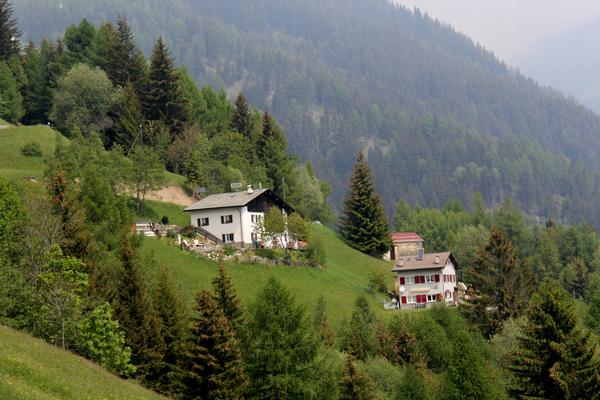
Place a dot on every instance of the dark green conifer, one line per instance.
(123, 65)
(164, 98)
(576, 277)
(556, 357)
(241, 120)
(213, 360)
(354, 384)
(131, 118)
(500, 282)
(324, 331)
(226, 297)
(137, 317)
(363, 221)
(357, 337)
(9, 34)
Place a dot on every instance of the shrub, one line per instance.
(314, 254)
(269, 254)
(377, 281)
(229, 250)
(164, 220)
(32, 149)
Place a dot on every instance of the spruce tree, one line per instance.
(137, 316)
(226, 297)
(363, 221)
(576, 277)
(131, 118)
(213, 360)
(357, 337)
(355, 384)
(412, 386)
(241, 120)
(556, 357)
(123, 65)
(501, 283)
(9, 34)
(11, 102)
(171, 312)
(324, 331)
(164, 98)
(268, 131)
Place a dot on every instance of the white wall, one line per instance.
(241, 227)
(428, 288)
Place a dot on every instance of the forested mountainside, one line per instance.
(440, 116)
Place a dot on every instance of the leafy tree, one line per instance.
(102, 342)
(501, 284)
(241, 120)
(401, 215)
(99, 49)
(363, 222)
(131, 118)
(322, 327)
(282, 230)
(280, 352)
(61, 286)
(401, 346)
(226, 298)
(18, 300)
(12, 215)
(164, 99)
(171, 312)
(480, 216)
(354, 384)
(9, 34)
(213, 358)
(11, 102)
(378, 281)
(82, 100)
(412, 386)
(556, 357)
(357, 336)
(146, 174)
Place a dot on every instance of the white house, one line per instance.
(232, 217)
(425, 279)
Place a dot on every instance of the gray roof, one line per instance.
(226, 200)
(429, 261)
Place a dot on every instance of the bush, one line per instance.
(229, 250)
(377, 281)
(314, 254)
(32, 149)
(269, 254)
(164, 220)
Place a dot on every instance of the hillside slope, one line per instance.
(439, 116)
(345, 277)
(31, 369)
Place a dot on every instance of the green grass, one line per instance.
(33, 370)
(172, 179)
(344, 278)
(155, 210)
(14, 165)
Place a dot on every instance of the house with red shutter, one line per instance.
(403, 244)
(426, 279)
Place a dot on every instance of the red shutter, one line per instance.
(422, 279)
(402, 280)
(437, 278)
(403, 299)
(438, 297)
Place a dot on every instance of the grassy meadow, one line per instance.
(31, 369)
(345, 277)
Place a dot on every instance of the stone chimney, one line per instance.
(250, 190)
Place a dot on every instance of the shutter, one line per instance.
(437, 278)
(403, 299)
(402, 280)
(222, 219)
(438, 297)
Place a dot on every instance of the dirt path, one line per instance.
(172, 194)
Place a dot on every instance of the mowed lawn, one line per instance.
(13, 164)
(33, 370)
(345, 277)
(155, 210)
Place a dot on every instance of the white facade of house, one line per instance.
(422, 283)
(241, 226)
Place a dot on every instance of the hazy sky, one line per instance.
(510, 27)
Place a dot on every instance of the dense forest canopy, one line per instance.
(429, 105)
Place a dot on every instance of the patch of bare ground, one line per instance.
(172, 194)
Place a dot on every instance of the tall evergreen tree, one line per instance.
(268, 131)
(241, 120)
(11, 102)
(357, 337)
(173, 321)
(556, 357)
(123, 65)
(9, 34)
(355, 384)
(226, 297)
(213, 361)
(576, 277)
(164, 98)
(502, 284)
(363, 221)
(136, 314)
(324, 331)
(131, 118)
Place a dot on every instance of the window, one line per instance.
(256, 218)
(254, 236)
(421, 298)
(448, 294)
(420, 279)
(226, 219)
(203, 221)
(433, 297)
(407, 280)
(227, 237)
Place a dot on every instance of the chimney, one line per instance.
(250, 190)
(436, 260)
(420, 253)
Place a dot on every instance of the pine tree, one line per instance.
(363, 222)
(502, 284)
(412, 386)
(268, 131)
(123, 65)
(9, 35)
(213, 360)
(164, 99)
(556, 357)
(173, 321)
(357, 339)
(137, 316)
(226, 297)
(241, 120)
(37, 85)
(131, 118)
(11, 102)
(324, 331)
(576, 277)
(354, 384)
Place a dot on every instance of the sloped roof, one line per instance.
(409, 263)
(225, 200)
(405, 237)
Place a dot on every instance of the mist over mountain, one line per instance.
(438, 116)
